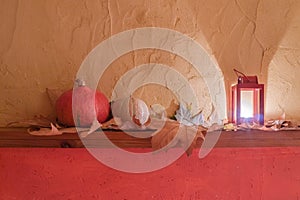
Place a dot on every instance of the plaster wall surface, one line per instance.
(43, 44)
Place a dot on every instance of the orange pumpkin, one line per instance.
(83, 111)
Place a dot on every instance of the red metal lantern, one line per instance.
(247, 100)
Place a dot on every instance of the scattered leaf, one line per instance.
(39, 121)
(94, 127)
(52, 131)
(165, 136)
(44, 131)
(165, 139)
(201, 131)
(184, 116)
(113, 123)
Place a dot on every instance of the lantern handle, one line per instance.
(238, 72)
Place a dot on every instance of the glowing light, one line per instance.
(247, 106)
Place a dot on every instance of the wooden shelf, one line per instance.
(254, 138)
(257, 138)
(20, 138)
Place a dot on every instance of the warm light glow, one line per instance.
(247, 106)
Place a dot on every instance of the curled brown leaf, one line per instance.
(50, 131)
(186, 136)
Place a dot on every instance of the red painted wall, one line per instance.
(227, 173)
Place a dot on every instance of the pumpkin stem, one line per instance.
(79, 82)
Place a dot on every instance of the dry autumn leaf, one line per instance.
(176, 134)
(113, 123)
(46, 131)
(200, 133)
(39, 121)
(165, 136)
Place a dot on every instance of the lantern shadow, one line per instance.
(244, 35)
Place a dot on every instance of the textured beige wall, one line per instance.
(44, 42)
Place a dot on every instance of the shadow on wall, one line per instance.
(283, 85)
(247, 35)
(51, 38)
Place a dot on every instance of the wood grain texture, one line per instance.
(253, 138)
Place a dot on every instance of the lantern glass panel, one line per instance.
(247, 103)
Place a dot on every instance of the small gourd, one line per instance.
(88, 105)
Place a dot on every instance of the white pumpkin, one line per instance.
(131, 109)
(140, 112)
